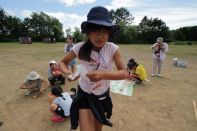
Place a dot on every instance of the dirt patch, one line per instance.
(163, 104)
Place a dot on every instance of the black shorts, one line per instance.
(60, 111)
(83, 104)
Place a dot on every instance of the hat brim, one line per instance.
(35, 78)
(96, 22)
(159, 41)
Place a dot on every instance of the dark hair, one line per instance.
(85, 50)
(51, 64)
(73, 90)
(94, 27)
(131, 63)
(57, 91)
(131, 60)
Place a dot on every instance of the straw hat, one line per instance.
(33, 75)
(160, 39)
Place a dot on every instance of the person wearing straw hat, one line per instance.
(159, 54)
(34, 82)
(92, 106)
(54, 74)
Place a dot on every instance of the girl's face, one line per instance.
(69, 40)
(53, 66)
(99, 37)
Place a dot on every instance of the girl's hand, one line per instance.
(67, 72)
(130, 76)
(95, 76)
(74, 78)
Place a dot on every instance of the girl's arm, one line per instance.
(23, 86)
(95, 76)
(51, 98)
(65, 61)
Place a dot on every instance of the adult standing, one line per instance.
(159, 54)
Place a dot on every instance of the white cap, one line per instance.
(52, 62)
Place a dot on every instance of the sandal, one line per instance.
(57, 119)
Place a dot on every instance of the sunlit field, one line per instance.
(163, 104)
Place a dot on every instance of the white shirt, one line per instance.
(102, 60)
(162, 52)
(64, 104)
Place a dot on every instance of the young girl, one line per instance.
(67, 48)
(139, 73)
(60, 104)
(92, 105)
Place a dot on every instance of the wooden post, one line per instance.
(195, 110)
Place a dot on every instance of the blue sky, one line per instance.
(175, 13)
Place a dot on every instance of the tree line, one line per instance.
(40, 26)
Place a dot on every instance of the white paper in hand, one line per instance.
(81, 70)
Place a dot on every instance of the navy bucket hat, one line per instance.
(99, 16)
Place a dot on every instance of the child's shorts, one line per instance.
(72, 62)
(60, 111)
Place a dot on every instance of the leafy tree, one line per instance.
(78, 36)
(124, 19)
(178, 35)
(9, 26)
(190, 33)
(121, 16)
(3, 24)
(40, 26)
(150, 29)
(68, 31)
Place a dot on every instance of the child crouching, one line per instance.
(60, 103)
(138, 72)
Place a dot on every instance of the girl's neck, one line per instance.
(96, 49)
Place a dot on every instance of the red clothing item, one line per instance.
(56, 71)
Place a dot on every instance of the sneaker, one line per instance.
(159, 75)
(28, 92)
(57, 118)
(152, 75)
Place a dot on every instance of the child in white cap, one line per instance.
(54, 74)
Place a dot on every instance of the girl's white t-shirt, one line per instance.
(64, 104)
(102, 60)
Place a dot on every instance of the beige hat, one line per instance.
(52, 62)
(160, 39)
(33, 75)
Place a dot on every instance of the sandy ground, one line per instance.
(163, 104)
